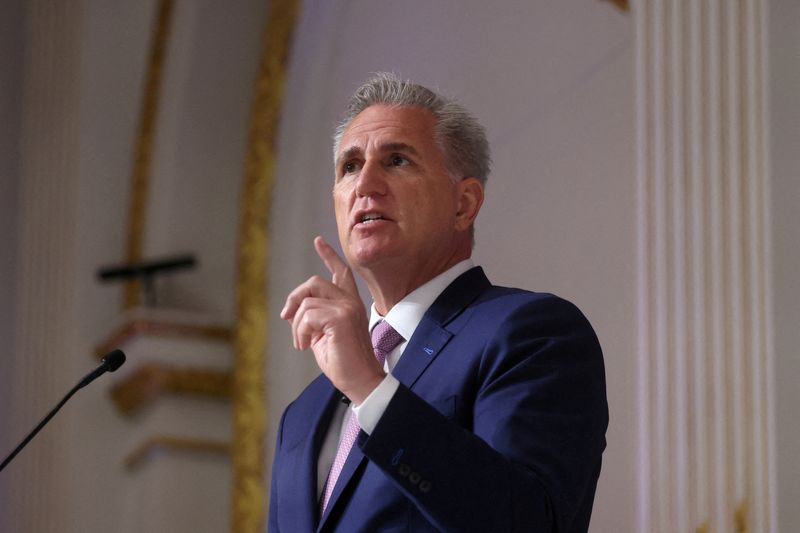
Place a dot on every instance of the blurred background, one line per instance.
(645, 167)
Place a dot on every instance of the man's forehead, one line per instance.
(388, 129)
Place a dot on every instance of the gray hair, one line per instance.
(459, 135)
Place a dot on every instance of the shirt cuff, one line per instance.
(371, 409)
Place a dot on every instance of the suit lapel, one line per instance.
(432, 333)
(428, 340)
(354, 462)
(306, 477)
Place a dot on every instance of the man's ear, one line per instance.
(469, 198)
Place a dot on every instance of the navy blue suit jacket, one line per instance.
(498, 426)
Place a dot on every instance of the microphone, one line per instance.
(110, 362)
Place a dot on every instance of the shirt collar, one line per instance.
(406, 314)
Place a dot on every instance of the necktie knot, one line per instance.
(384, 339)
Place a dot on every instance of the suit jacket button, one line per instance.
(414, 478)
(404, 470)
(424, 486)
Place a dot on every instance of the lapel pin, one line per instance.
(428, 350)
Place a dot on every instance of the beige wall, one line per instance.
(552, 82)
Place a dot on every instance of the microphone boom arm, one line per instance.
(110, 362)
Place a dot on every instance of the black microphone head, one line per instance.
(113, 360)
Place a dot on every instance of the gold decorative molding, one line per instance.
(622, 5)
(174, 444)
(140, 178)
(161, 328)
(740, 518)
(249, 500)
(152, 380)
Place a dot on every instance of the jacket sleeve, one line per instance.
(531, 460)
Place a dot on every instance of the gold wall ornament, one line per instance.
(140, 177)
(740, 518)
(159, 327)
(249, 500)
(174, 444)
(622, 5)
(151, 381)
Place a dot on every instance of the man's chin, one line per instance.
(372, 257)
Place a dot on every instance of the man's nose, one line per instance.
(371, 180)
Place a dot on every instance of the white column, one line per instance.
(703, 338)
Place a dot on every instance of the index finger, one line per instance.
(342, 275)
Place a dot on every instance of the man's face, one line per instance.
(393, 196)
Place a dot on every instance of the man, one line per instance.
(489, 411)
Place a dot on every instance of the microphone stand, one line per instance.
(111, 361)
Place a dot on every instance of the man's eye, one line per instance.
(350, 167)
(398, 161)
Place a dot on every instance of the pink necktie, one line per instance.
(384, 340)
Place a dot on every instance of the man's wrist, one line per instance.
(364, 388)
(370, 411)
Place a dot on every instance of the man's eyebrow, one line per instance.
(348, 154)
(398, 147)
(354, 151)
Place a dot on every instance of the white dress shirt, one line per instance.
(404, 317)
